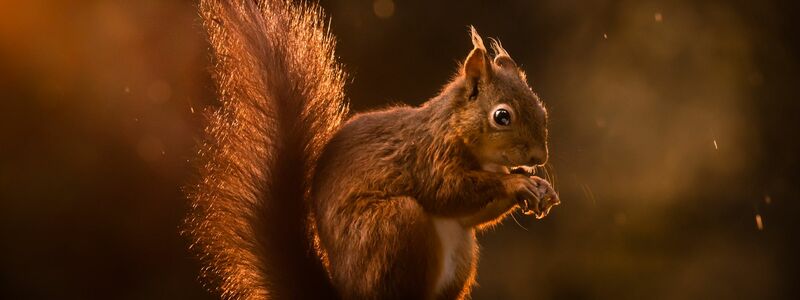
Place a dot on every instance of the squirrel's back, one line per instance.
(281, 94)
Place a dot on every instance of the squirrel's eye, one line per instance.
(502, 117)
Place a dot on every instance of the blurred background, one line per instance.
(673, 138)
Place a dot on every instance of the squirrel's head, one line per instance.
(500, 118)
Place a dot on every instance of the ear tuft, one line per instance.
(501, 58)
(498, 49)
(477, 41)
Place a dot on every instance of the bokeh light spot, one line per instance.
(384, 9)
(159, 91)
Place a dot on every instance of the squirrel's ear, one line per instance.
(477, 66)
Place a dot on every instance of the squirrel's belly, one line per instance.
(457, 244)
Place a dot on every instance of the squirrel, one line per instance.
(295, 200)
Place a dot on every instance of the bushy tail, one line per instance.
(282, 98)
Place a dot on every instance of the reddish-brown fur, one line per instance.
(291, 204)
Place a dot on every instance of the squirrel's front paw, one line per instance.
(546, 198)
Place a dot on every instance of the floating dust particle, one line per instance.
(600, 122)
(620, 218)
(658, 17)
(759, 223)
(767, 199)
(605, 36)
(191, 109)
(715, 145)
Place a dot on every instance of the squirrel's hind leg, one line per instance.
(385, 249)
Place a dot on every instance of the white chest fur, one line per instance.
(455, 240)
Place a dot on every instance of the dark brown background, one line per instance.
(97, 126)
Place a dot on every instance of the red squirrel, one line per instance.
(297, 201)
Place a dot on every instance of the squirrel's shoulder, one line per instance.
(368, 134)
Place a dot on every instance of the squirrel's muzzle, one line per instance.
(538, 156)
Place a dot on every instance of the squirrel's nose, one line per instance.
(538, 156)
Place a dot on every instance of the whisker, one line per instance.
(589, 194)
(518, 224)
(550, 175)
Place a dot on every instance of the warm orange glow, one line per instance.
(105, 104)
